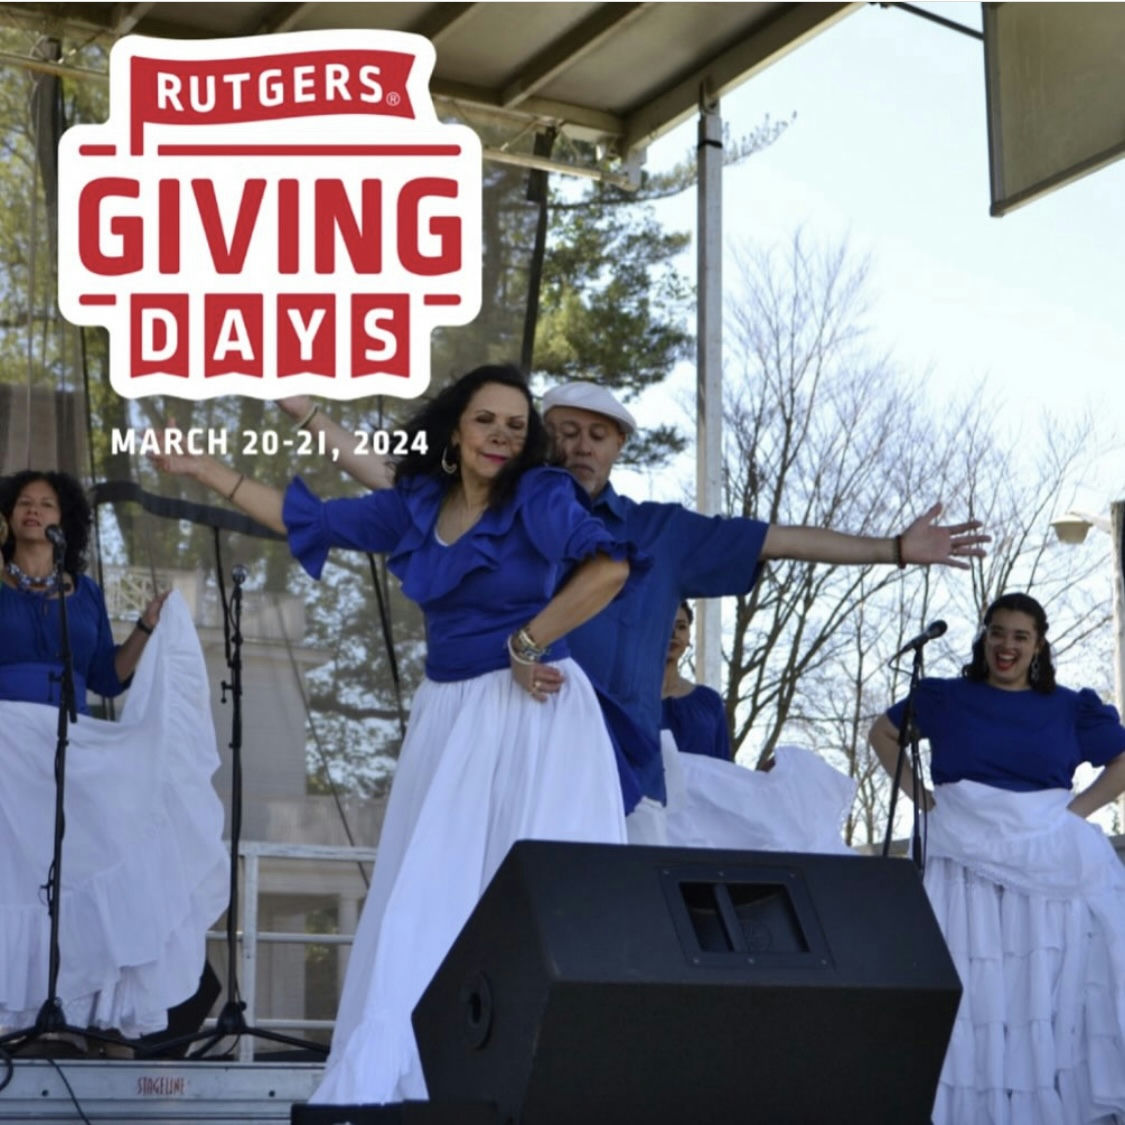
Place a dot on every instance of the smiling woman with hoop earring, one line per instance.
(1030, 896)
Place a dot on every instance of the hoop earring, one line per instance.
(448, 467)
(1033, 669)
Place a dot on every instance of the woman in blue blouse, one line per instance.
(1030, 896)
(144, 869)
(506, 739)
(32, 501)
(694, 713)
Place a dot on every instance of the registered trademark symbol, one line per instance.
(393, 98)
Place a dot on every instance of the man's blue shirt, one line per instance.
(623, 649)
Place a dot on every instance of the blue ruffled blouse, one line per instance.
(476, 591)
(1016, 740)
(30, 661)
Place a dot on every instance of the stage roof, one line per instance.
(618, 74)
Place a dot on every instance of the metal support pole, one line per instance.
(1117, 532)
(709, 367)
(249, 970)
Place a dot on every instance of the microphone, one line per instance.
(931, 632)
(239, 573)
(56, 536)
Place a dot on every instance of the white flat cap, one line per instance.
(592, 397)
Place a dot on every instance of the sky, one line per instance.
(888, 149)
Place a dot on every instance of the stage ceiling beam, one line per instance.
(795, 24)
(565, 51)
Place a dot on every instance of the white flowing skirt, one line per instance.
(482, 766)
(1031, 899)
(144, 869)
(798, 806)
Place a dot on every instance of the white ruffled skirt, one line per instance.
(482, 766)
(798, 806)
(144, 869)
(1031, 899)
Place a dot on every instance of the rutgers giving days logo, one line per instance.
(272, 216)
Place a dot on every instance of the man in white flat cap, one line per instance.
(623, 648)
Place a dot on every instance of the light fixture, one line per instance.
(1072, 527)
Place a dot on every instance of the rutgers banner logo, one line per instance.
(271, 216)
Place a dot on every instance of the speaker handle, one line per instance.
(475, 998)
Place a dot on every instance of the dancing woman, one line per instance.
(1030, 896)
(506, 739)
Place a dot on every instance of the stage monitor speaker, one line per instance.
(599, 983)
(399, 1113)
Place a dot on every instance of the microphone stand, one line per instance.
(908, 734)
(51, 1019)
(231, 1020)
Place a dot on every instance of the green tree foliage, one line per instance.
(613, 308)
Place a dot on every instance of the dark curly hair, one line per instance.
(1041, 675)
(438, 419)
(74, 512)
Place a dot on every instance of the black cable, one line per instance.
(388, 643)
(115, 491)
(933, 17)
(537, 192)
(73, 1098)
(222, 594)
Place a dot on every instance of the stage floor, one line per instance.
(219, 1093)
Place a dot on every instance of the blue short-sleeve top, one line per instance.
(30, 654)
(699, 722)
(624, 647)
(1017, 740)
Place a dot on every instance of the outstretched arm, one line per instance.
(883, 737)
(591, 587)
(259, 501)
(370, 469)
(924, 542)
(1106, 787)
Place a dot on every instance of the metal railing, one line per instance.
(249, 937)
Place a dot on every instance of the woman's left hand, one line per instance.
(926, 541)
(538, 680)
(151, 614)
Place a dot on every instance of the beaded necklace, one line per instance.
(46, 585)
